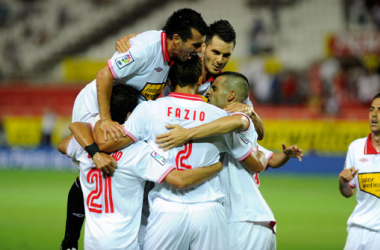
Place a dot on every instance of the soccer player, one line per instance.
(145, 67)
(113, 204)
(362, 170)
(199, 210)
(216, 52)
(251, 223)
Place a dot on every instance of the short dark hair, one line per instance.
(376, 96)
(124, 99)
(182, 21)
(185, 73)
(236, 82)
(224, 30)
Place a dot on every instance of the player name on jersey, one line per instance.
(186, 114)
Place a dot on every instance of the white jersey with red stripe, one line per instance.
(145, 67)
(363, 156)
(113, 204)
(244, 202)
(149, 119)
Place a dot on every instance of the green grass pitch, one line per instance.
(310, 212)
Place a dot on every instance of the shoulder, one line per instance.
(358, 142)
(147, 39)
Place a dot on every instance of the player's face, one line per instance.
(374, 116)
(185, 50)
(217, 95)
(216, 55)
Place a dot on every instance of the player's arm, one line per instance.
(62, 146)
(279, 159)
(104, 81)
(123, 45)
(248, 110)
(255, 162)
(83, 134)
(344, 181)
(109, 146)
(179, 135)
(191, 177)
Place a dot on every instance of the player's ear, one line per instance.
(231, 96)
(176, 39)
(203, 48)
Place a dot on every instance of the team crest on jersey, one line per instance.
(152, 90)
(244, 138)
(160, 159)
(124, 60)
(370, 183)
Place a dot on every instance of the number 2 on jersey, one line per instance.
(184, 155)
(94, 202)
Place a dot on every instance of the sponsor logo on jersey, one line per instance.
(370, 183)
(159, 69)
(158, 157)
(124, 60)
(244, 138)
(152, 90)
(363, 160)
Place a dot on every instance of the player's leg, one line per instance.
(247, 235)
(74, 217)
(167, 226)
(208, 226)
(361, 238)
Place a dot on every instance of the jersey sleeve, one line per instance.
(350, 162)
(129, 63)
(152, 166)
(237, 145)
(136, 127)
(268, 154)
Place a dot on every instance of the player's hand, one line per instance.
(123, 44)
(347, 175)
(292, 151)
(114, 128)
(240, 107)
(174, 138)
(105, 163)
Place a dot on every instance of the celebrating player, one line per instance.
(145, 67)
(362, 170)
(251, 223)
(200, 208)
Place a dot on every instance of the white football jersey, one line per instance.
(145, 67)
(113, 204)
(244, 201)
(363, 156)
(149, 119)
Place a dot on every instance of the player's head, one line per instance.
(186, 73)
(218, 47)
(124, 99)
(374, 115)
(228, 87)
(186, 28)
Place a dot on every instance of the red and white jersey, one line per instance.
(149, 119)
(363, 156)
(113, 204)
(145, 66)
(244, 201)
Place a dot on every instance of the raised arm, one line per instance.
(62, 146)
(344, 179)
(255, 162)
(83, 134)
(179, 135)
(191, 177)
(248, 110)
(104, 81)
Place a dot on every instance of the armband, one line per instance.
(92, 149)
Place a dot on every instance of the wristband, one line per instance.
(92, 149)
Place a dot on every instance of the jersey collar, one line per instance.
(369, 149)
(186, 96)
(165, 49)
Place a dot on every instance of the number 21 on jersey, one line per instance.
(103, 187)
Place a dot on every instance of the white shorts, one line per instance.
(186, 226)
(249, 235)
(360, 238)
(81, 112)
